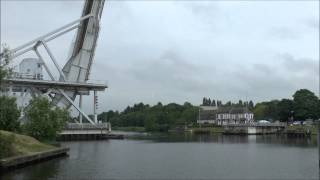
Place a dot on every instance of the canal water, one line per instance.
(182, 156)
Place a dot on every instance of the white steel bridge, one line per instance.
(74, 74)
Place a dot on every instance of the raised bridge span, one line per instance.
(73, 77)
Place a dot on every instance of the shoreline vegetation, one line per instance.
(130, 129)
(295, 129)
(20, 145)
(304, 106)
(19, 150)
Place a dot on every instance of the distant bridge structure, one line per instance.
(74, 76)
(254, 128)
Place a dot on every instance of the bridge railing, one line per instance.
(256, 124)
(78, 126)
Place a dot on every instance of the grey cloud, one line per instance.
(263, 68)
(283, 33)
(182, 51)
(271, 81)
(304, 65)
(169, 70)
(312, 23)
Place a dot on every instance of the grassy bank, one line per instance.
(303, 129)
(208, 130)
(195, 130)
(129, 128)
(13, 144)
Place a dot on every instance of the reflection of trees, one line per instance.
(234, 139)
(43, 170)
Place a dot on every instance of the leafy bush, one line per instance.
(44, 121)
(9, 114)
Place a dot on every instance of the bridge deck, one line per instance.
(55, 84)
(257, 125)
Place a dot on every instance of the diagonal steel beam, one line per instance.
(44, 63)
(76, 106)
(49, 34)
(54, 60)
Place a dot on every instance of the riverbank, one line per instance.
(130, 129)
(292, 130)
(17, 149)
(208, 130)
(302, 130)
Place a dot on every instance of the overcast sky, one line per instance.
(173, 51)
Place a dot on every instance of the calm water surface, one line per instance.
(182, 156)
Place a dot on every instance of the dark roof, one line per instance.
(206, 115)
(233, 110)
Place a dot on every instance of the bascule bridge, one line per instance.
(72, 80)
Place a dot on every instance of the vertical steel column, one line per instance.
(80, 106)
(95, 102)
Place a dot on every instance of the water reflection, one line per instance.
(182, 156)
(229, 139)
(48, 170)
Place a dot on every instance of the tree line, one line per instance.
(208, 102)
(153, 118)
(304, 105)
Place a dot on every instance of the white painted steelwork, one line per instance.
(75, 73)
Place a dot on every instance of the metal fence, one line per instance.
(75, 126)
(256, 124)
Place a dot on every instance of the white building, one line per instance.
(30, 68)
(224, 115)
(207, 115)
(234, 115)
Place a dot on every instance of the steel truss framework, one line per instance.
(56, 86)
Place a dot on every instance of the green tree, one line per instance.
(228, 103)
(240, 103)
(189, 115)
(151, 124)
(203, 101)
(285, 107)
(260, 111)
(9, 114)
(44, 121)
(305, 104)
(250, 105)
(4, 62)
(273, 111)
(213, 102)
